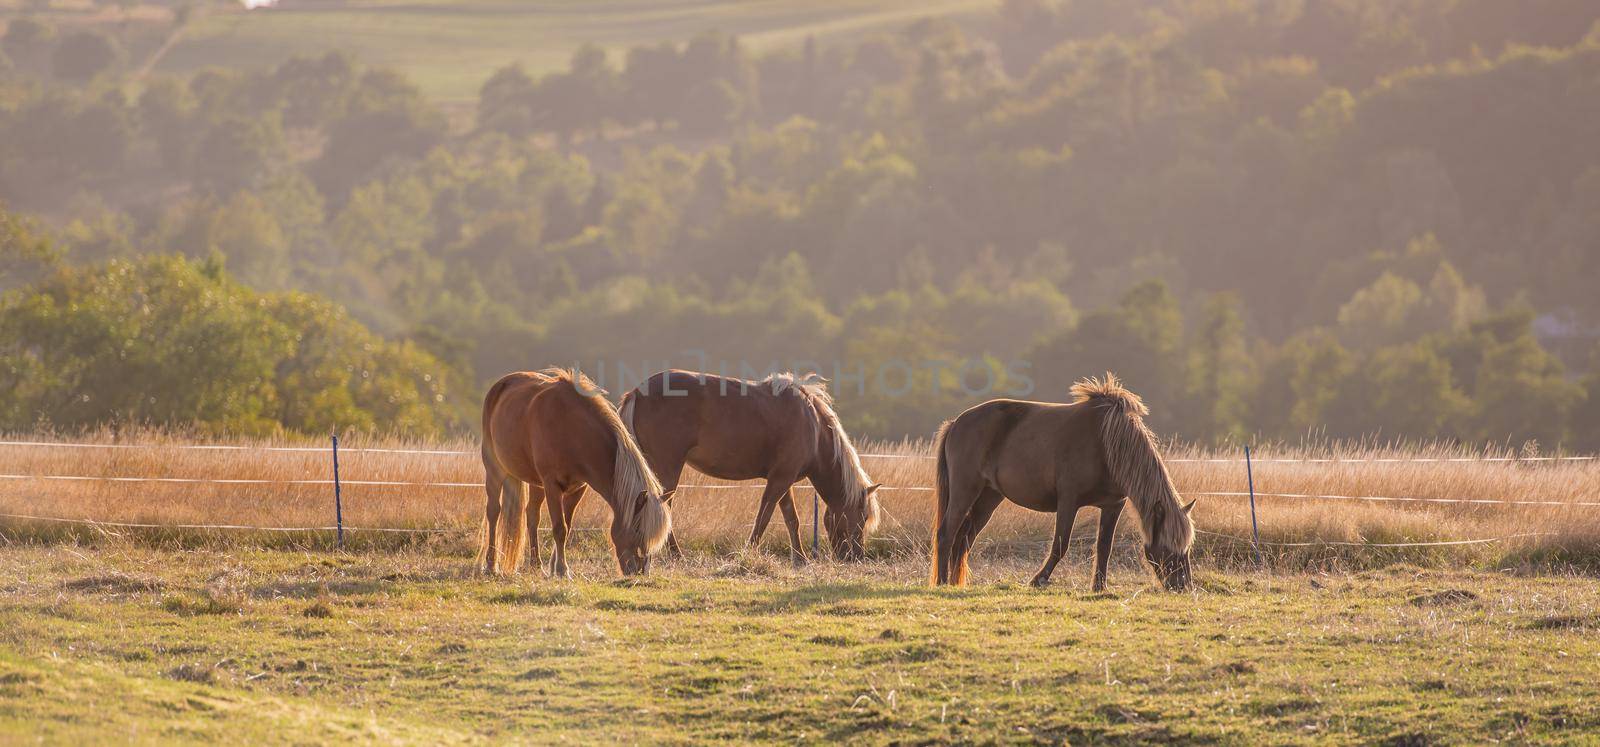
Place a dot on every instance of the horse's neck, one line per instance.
(600, 473)
(829, 469)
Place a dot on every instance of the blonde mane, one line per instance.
(631, 475)
(1136, 463)
(856, 481)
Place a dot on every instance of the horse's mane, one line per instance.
(814, 389)
(632, 474)
(1136, 463)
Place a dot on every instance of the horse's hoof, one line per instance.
(1039, 583)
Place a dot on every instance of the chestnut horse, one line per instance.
(551, 432)
(1059, 458)
(782, 428)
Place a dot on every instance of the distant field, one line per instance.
(114, 642)
(450, 47)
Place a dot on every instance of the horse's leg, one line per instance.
(535, 501)
(493, 479)
(558, 530)
(989, 499)
(570, 501)
(1066, 513)
(963, 496)
(797, 552)
(776, 488)
(1102, 542)
(669, 481)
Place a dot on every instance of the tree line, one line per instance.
(1273, 220)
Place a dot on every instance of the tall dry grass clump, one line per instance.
(442, 490)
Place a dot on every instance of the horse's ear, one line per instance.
(638, 505)
(1189, 507)
(874, 488)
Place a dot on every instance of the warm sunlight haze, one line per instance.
(774, 372)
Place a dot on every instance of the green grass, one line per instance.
(118, 641)
(451, 48)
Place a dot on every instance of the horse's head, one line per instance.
(648, 521)
(1169, 560)
(849, 523)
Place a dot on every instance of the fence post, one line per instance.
(338, 502)
(1255, 531)
(814, 543)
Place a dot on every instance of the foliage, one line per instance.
(1271, 220)
(167, 341)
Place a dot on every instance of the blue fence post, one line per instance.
(338, 502)
(1255, 531)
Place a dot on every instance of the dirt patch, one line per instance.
(1238, 667)
(1409, 739)
(115, 583)
(198, 673)
(318, 610)
(544, 597)
(1565, 622)
(830, 640)
(1446, 597)
(190, 605)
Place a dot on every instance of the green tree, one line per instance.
(1139, 340)
(25, 252)
(28, 42)
(505, 101)
(83, 55)
(168, 341)
(1220, 373)
(238, 153)
(1519, 390)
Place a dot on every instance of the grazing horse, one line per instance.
(782, 428)
(1059, 458)
(551, 432)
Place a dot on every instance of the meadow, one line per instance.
(205, 634)
(117, 641)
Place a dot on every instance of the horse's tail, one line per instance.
(513, 528)
(1135, 463)
(941, 501)
(504, 541)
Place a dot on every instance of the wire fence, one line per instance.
(927, 457)
(340, 526)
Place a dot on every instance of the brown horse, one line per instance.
(782, 428)
(1059, 458)
(552, 431)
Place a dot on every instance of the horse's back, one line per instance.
(1024, 448)
(516, 412)
(726, 427)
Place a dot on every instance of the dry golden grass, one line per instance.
(714, 514)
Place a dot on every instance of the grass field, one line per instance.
(450, 47)
(117, 641)
(120, 634)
